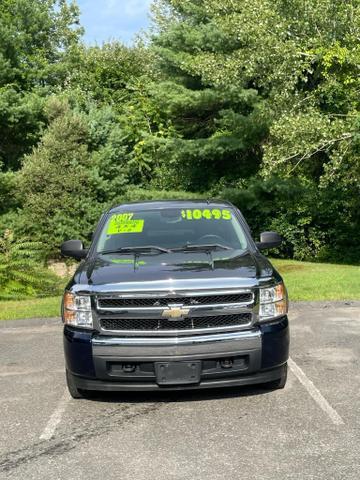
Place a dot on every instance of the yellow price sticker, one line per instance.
(214, 214)
(123, 223)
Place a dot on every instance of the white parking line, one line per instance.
(315, 393)
(55, 418)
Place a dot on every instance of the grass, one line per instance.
(305, 281)
(319, 281)
(32, 308)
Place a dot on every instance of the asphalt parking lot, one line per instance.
(309, 430)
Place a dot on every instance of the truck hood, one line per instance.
(116, 269)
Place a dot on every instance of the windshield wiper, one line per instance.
(212, 246)
(145, 248)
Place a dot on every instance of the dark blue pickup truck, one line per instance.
(174, 295)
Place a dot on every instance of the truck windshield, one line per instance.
(162, 230)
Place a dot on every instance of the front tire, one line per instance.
(280, 382)
(73, 390)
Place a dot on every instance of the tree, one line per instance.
(122, 79)
(301, 57)
(70, 177)
(105, 73)
(217, 128)
(38, 43)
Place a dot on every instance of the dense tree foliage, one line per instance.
(38, 49)
(301, 60)
(255, 101)
(217, 127)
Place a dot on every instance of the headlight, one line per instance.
(273, 302)
(77, 310)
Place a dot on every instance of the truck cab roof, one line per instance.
(151, 205)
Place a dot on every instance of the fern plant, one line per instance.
(22, 269)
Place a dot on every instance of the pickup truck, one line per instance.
(174, 295)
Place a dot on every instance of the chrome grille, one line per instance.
(175, 312)
(114, 303)
(124, 324)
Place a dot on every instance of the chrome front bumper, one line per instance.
(194, 346)
(124, 360)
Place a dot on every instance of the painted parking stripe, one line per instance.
(315, 393)
(56, 416)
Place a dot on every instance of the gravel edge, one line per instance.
(324, 304)
(33, 322)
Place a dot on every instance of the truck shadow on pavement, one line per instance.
(164, 396)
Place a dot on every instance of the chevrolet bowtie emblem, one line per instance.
(175, 313)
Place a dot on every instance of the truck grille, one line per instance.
(115, 303)
(149, 313)
(126, 324)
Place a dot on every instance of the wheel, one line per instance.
(73, 390)
(280, 382)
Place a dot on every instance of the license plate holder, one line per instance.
(177, 373)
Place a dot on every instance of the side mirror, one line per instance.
(74, 249)
(269, 240)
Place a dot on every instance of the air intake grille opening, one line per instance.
(193, 323)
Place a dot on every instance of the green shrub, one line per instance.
(316, 223)
(22, 270)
